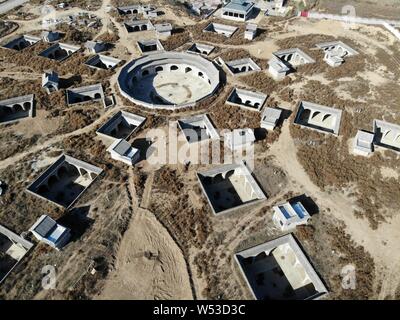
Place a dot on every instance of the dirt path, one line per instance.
(147, 191)
(17, 157)
(149, 264)
(382, 243)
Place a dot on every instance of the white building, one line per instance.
(238, 10)
(50, 36)
(363, 143)
(95, 46)
(121, 150)
(163, 29)
(287, 216)
(277, 68)
(50, 81)
(239, 139)
(45, 229)
(251, 31)
(270, 118)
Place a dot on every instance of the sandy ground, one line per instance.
(380, 243)
(163, 276)
(149, 263)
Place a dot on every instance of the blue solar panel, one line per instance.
(299, 210)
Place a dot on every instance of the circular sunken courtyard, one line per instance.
(168, 80)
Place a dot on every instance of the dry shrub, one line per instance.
(190, 226)
(78, 118)
(329, 164)
(264, 83)
(176, 40)
(109, 37)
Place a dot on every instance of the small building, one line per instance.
(163, 29)
(95, 46)
(289, 215)
(251, 31)
(363, 143)
(277, 68)
(239, 139)
(270, 118)
(121, 150)
(50, 81)
(50, 36)
(47, 230)
(238, 10)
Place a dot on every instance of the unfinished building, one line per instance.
(386, 135)
(198, 128)
(201, 48)
(22, 42)
(168, 80)
(13, 248)
(59, 51)
(318, 117)
(230, 187)
(241, 66)
(122, 125)
(221, 29)
(138, 25)
(85, 94)
(64, 182)
(250, 100)
(14, 109)
(335, 52)
(237, 10)
(102, 62)
(152, 45)
(48, 231)
(279, 270)
(270, 118)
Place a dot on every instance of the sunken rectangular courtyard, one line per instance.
(230, 187)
